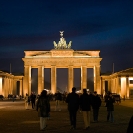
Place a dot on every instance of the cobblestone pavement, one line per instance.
(15, 119)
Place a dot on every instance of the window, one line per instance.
(131, 81)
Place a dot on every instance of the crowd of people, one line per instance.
(83, 102)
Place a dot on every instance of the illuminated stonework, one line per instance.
(119, 83)
(61, 58)
(8, 84)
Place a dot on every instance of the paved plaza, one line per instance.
(15, 119)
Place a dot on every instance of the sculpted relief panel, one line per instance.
(62, 62)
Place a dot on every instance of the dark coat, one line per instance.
(43, 106)
(58, 96)
(85, 102)
(110, 103)
(130, 126)
(32, 97)
(96, 102)
(73, 101)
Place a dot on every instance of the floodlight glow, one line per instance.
(123, 86)
(130, 78)
(0, 85)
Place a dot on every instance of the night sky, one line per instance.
(105, 25)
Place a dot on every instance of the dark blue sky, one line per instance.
(105, 25)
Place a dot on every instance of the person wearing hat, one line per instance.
(85, 106)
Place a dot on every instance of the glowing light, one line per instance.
(0, 85)
(123, 86)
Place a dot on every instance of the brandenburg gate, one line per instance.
(62, 56)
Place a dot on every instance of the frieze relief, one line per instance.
(63, 62)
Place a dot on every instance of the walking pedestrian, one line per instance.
(85, 106)
(73, 106)
(26, 101)
(33, 99)
(13, 98)
(43, 108)
(110, 107)
(96, 103)
(58, 98)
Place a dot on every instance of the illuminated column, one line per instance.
(1, 86)
(127, 87)
(14, 87)
(123, 86)
(20, 91)
(109, 85)
(53, 79)
(9, 81)
(6, 87)
(40, 79)
(103, 87)
(113, 86)
(83, 78)
(97, 79)
(118, 86)
(70, 78)
(27, 80)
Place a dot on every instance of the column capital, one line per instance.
(97, 66)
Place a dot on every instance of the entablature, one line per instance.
(63, 62)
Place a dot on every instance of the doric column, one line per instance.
(113, 85)
(127, 87)
(83, 78)
(6, 87)
(103, 87)
(97, 79)
(109, 85)
(3, 80)
(10, 91)
(27, 80)
(53, 79)
(1, 86)
(20, 91)
(118, 86)
(5, 93)
(14, 87)
(40, 79)
(11, 85)
(70, 78)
